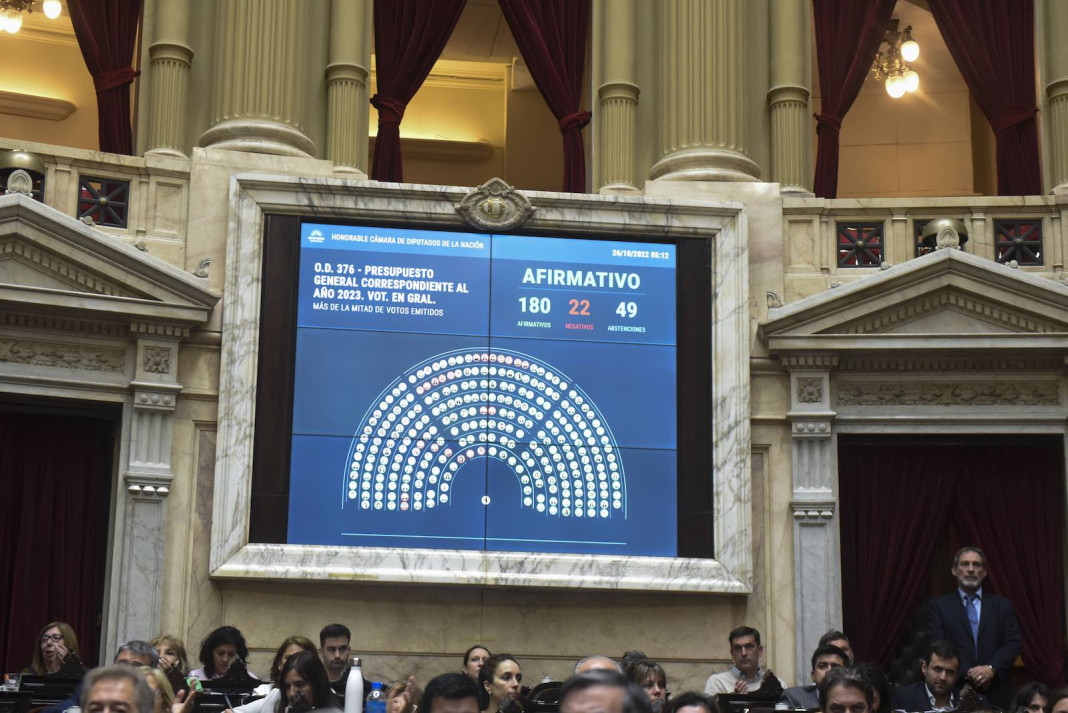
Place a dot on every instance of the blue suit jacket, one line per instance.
(999, 638)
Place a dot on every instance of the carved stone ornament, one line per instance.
(20, 182)
(62, 355)
(157, 360)
(495, 206)
(963, 393)
(810, 390)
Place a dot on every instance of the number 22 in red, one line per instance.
(579, 307)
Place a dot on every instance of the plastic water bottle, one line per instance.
(376, 701)
(354, 688)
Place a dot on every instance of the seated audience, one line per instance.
(1031, 698)
(602, 692)
(171, 653)
(837, 638)
(937, 691)
(117, 688)
(500, 679)
(651, 677)
(271, 690)
(474, 657)
(451, 693)
(690, 702)
(597, 662)
(824, 658)
(404, 697)
(745, 676)
(844, 690)
(56, 644)
(304, 685)
(218, 651)
(880, 687)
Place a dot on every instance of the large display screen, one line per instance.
(472, 391)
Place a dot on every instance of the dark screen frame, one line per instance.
(276, 372)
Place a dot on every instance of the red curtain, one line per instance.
(1017, 518)
(993, 44)
(848, 34)
(56, 477)
(551, 35)
(894, 506)
(409, 37)
(107, 35)
(896, 503)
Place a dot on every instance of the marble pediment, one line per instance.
(52, 264)
(947, 300)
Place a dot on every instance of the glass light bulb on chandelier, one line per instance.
(11, 20)
(912, 81)
(910, 50)
(52, 8)
(895, 86)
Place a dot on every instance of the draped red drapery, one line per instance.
(551, 35)
(896, 503)
(848, 34)
(993, 44)
(107, 35)
(409, 38)
(56, 476)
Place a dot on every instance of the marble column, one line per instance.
(817, 562)
(617, 96)
(1056, 51)
(147, 480)
(788, 98)
(346, 86)
(702, 80)
(171, 60)
(259, 58)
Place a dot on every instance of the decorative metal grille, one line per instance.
(1019, 240)
(860, 244)
(105, 200)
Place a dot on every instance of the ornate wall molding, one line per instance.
(949, 393)
(156, 360)
(814, 511)
(74, 275)
(809, 389)
(495, 205)
(62, 355)
(810, 361)
(948, 300)
(947, 364)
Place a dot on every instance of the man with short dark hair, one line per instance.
(845, 690)
(117, 689)
(137, 653)
(837, 638)
(451, 693)
(981, 624)
(824, 659)
(936, 692)
(745, 676)
(334, 650)
(601, 691)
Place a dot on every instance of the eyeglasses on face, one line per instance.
(51, 637)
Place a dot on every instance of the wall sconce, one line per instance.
(893, 66)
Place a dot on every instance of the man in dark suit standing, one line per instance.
(982, 625)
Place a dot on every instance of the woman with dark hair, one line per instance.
(651, 677)
(1031, 698)
(1058, 701)
(56, 644)
(220, 649)
(690, 699)
(474, 658)
(880, 686)
(304, 685)
(499, 682)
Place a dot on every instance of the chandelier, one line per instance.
(11, 12)
(892, 66)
